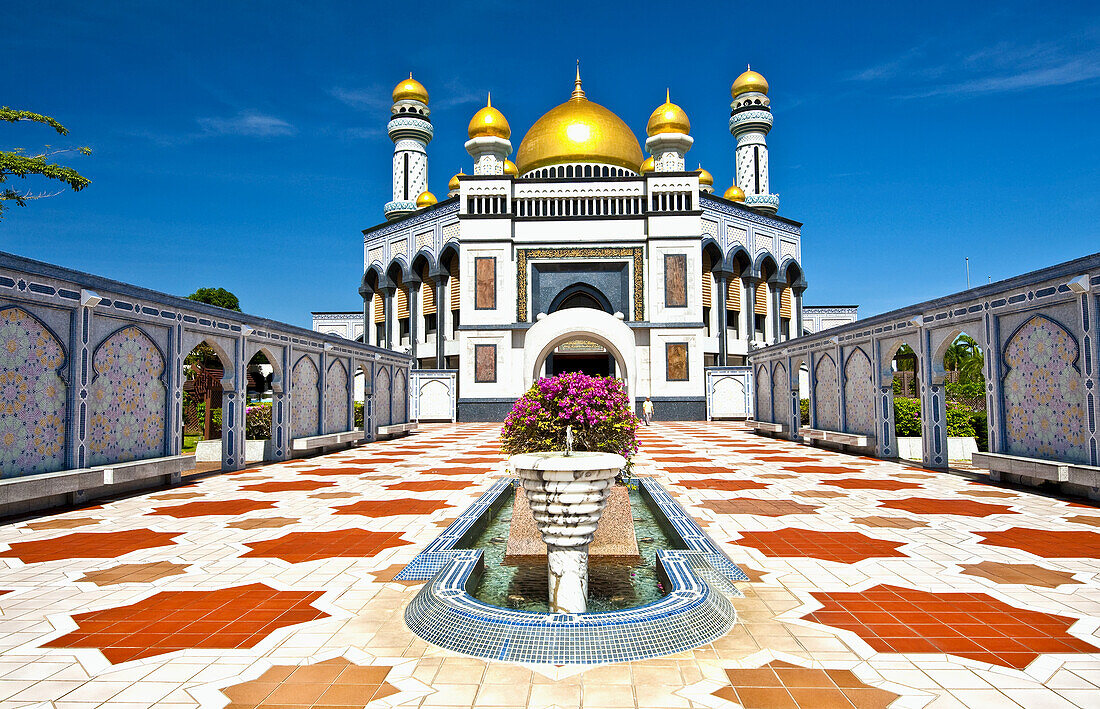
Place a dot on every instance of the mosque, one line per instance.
(582, 254)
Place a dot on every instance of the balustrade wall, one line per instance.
(1039, 336)
(92, 372)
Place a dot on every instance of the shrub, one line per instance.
(359, 414)
(906, 416)
(959, 421)
(596, 407)
(965, 390)
(980, 421)
(804, 411)
(257, 422)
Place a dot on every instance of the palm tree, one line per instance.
(964, 356)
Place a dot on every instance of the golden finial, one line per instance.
(578, 92)
(489, 99)
(666, 96)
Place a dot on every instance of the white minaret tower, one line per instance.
(488, 144)
(750, 121)
(668, 140)
(410, 130)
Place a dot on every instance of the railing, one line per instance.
(1038, 333)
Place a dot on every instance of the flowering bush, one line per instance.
(257, 422)
(597, 408)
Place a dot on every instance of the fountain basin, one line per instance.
(567, 494)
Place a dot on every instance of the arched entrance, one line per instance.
(588, 325)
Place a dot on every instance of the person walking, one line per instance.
(647, 411)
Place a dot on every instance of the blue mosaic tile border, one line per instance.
(696, 610)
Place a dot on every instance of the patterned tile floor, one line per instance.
(873, 584)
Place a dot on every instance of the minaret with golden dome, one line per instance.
(488, 144)
(410, 129)
(750, 121)
(668, 140)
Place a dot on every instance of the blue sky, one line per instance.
(243, 145)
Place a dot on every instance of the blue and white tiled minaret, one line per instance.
(750, 121)
(410, 129)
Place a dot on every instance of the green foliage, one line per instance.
(804, 411)
(962, 421)
(359, 414)
(14, 163)
(980, 421)
(906, 416)
(217, 296)
(965, 390)
(215, 417)
(959, 421)
(906, 359)
(965, 357)
(596, 407)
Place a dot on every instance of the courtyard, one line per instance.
(871, 584)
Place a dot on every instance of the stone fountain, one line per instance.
(567, 492)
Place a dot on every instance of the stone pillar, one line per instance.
(933, 411)
(993, 370)
(811, 365)
(796, 305)
(80, 350)
(233, 406)
(723, 341)
(775, 292)
(388, 305)
(413, 285)
(441, 312)
(366, 293)
(749, 304)
(886, 445)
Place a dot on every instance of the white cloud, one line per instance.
(247, 123)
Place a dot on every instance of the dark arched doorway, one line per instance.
(580, 295)
(580, 355)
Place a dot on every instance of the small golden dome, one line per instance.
(647, 166)
(426, 199)
(735, 194)
(705, 178)
(489, 122)
(749, 81)
(668, 118)
(410, 90)
(578, 131)
(510, 168)
(453, 184)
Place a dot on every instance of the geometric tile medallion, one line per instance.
(764, 508)
(212, 507)
(860, 484)
(289, 485)
(971, 625)
(89, 545)
(930, 506)
(1046, 543)
(821, 469)
(389, 508)
(429, 485)
(262, 522)
(781, 685)
(63, 523)
(1076, 519)
(843, 547)
(134, 573)
(325, 685)
(387, 575)
(1028, 574)
(237, 617)
(719, 484)
(334, 495)
(298, 547)
(891, 522)
(819, 493)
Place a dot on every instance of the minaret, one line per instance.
(410, 129)
(750, 121)
(668, 141)
(488, 144)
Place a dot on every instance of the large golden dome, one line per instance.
(410, 89)
(579, 131)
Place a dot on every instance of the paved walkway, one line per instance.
(873, 584)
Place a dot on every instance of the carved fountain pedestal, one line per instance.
(567, 495)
